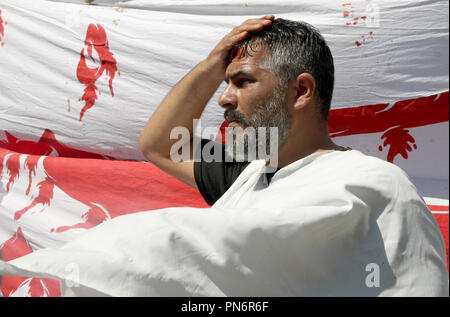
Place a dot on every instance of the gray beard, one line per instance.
(264, 132)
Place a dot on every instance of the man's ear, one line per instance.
(305, 86)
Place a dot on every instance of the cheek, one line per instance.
(252, 98)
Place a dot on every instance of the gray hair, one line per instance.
(294, 48)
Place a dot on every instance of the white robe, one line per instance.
(331, 224)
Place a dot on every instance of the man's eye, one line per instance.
(242, 82)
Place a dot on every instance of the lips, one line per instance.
(232, 122)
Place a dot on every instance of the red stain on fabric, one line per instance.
(352, 19)
(97, 40)
(13, 166)
(398, 140)
(46, 145)
(43, 199)
(2, 29)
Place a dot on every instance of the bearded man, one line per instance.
(280, 73)
(327, 221)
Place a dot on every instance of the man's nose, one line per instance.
(228, 99)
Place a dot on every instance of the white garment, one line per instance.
(331, 224)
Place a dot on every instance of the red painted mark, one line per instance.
(93, 217)
(97, 40)
(45, 146)
(442, 220)
(398, 138)
(2, 29)
(16, 247)
(438, 208)
(393, 121)
(99, 184)
(13, 166)
(352, 19)
(31, 162)
(363, 39)
(43, 199)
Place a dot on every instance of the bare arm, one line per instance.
(187, 100)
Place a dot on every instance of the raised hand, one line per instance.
(217, 61)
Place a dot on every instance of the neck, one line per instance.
(304, 140)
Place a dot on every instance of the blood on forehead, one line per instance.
(237, 52)
(243, 49)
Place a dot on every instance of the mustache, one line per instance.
(235, 115)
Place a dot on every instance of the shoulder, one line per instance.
(359, 162)
(358, 168)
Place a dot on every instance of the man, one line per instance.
(281, 75)
(328, 222)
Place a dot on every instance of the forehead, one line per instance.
(247, 63)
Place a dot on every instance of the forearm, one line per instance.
(185, 102)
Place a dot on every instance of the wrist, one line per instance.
(213, 69)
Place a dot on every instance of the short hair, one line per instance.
(294, 48)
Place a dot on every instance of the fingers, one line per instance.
(240, 32)
(254, 25)
(270, 17)
(219, 55)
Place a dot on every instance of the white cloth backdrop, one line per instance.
(78, 83)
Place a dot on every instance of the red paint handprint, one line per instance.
(397, 138)
(96, 41)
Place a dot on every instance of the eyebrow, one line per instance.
(239, 73)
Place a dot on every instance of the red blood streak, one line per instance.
(357, 43)
(346, 13)
(97, 40)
